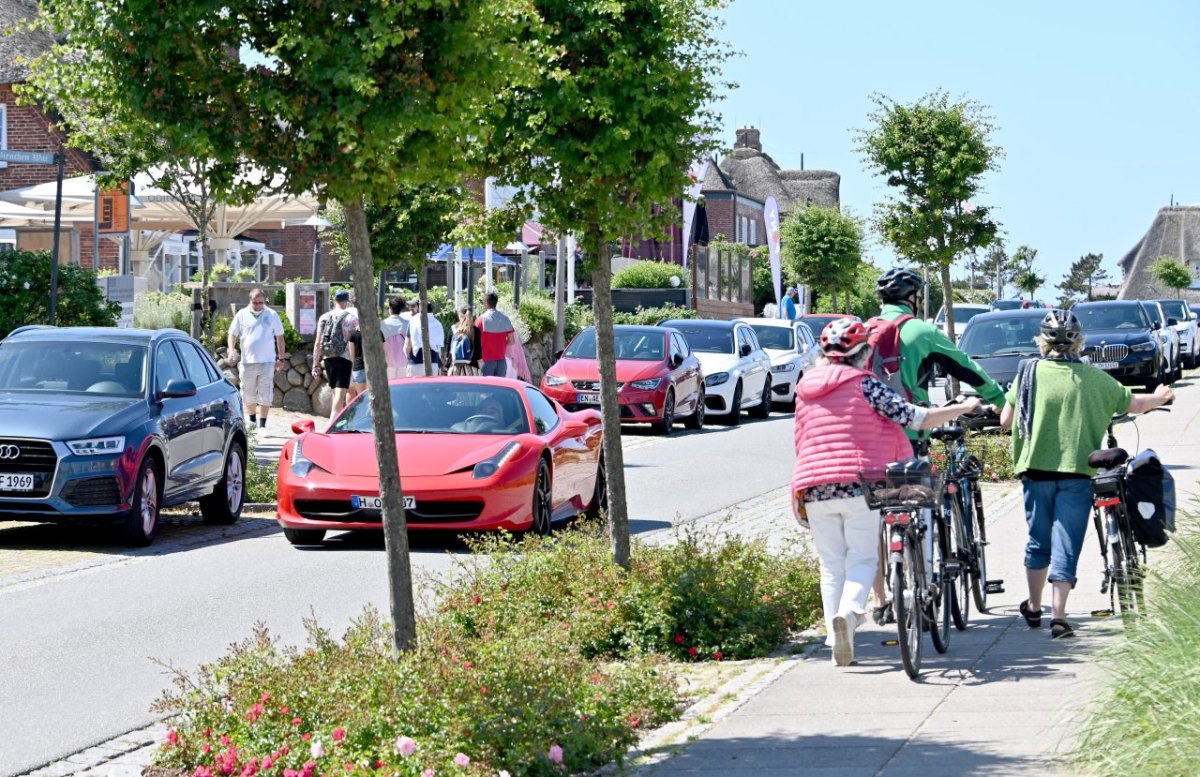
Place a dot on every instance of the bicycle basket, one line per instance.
(883, 489)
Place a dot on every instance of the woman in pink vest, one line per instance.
(847, 420)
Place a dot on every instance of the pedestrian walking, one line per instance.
(464, 345)
(1059, 409)
(415, 343)
(789, 303)
(331, 351)
(395, 330)
(496, 333)
(358, 365)
(260, 332)
(847, 420)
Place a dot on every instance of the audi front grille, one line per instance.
(36, 457)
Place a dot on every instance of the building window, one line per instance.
(3, 131)
(275, 242)
(8, 240)
(753, 232)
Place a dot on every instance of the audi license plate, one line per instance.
(1105, 365)
(10, 481)
(376, 502)
(588, 399)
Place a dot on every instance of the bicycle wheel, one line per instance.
(978, 534)
(937, 596)
(960, 547)
(1126, 591)
(907, 606)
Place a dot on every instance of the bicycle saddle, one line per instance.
(953, 432)
(1108, 458)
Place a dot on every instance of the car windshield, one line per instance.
(1153, 311)
(708, 339)
(429, 407)
(816, 323)
(777, 338)
(1092, 317)
(114, 369)
(629, 345)
(962, 314)
(1175, 308)
(1001, 337)
(1008, 304)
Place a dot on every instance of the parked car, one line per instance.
(1017, 304)
(999, 341)
(963, 312)
(1165, 326)
(1187, 330)
(658, 379)
(474, 453)
(737, 371)
(792, 348)
(818, 321)
(111, 425)
(1121, 340)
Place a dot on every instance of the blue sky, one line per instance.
(1096, 105)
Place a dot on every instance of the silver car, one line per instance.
(1187, 329)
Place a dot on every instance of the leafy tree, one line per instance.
(1172, 273)
(864, 302)
(1029, 282)
(1085, 273)
(603, 144)
(25, 286)
(935, 153)
(822, 247)
(349, 102)
(997, 266)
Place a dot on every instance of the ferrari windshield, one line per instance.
(428, 407)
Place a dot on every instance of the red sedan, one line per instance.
(474, 453)
(658, 378)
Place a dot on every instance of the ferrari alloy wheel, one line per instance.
(599, 506)
(541, 500)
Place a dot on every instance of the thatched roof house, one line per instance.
(1174, 233)
(754, 174)
(18, 46)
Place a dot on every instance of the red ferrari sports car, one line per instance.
(474, 453)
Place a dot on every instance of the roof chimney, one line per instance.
(747, 137)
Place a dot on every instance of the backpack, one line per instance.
(333, 339)
(884, 338)
(462, 349)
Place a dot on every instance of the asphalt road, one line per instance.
(86, 648)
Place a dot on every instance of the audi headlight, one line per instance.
(646, 385)
(716, 379)
(492, 465)
(789, 367)
(1142, 347)
(555, 380)
(97, 446)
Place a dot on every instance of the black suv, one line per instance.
(114, 424)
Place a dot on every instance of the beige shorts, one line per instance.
(258, 382)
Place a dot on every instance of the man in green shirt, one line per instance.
(1062, 408)
(923, 345)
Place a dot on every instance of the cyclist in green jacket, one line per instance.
(923, 345)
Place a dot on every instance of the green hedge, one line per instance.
(649, 275)
(25, 286)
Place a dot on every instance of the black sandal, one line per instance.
(1059, 628)
(1033, 618)
(883, 614)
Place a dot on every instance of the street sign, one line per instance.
(28, 157)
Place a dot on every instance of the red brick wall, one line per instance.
(296, 245)
(720, 214)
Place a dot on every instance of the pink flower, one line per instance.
(463, 760)
(317, 750)
(503, 773)
(225, 740)
(266, 697)
(172, 737)
(339, 734)
(268, 762)
(611, 604)
(692, 651)
(255, 712)
(296, 721)
(290, 773)
(206, 749)
(427, 773)
(678, 639)
(718, 655)
(405, 746)
(555, 754)
(202, 771)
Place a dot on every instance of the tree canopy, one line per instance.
(1171, 273)
(1085, 273)
(822, 248)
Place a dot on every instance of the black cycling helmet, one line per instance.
(1061, 327)
(898, 284)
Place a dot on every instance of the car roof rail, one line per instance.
(28, 328)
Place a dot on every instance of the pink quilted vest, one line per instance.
(837, 432)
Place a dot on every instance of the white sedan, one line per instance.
(737, 371)
(792, 349)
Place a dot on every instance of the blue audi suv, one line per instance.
(107, 424)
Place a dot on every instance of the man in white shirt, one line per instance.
(262, 353)
(415, 341)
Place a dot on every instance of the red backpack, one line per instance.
(884, 337)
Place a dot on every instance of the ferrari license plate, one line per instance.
(1105, 365)
(588, 399)
(16, 481)
(376, 502)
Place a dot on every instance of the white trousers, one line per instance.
(845, 533)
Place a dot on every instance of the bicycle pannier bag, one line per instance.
(1150, 499)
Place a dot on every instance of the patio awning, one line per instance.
(445, 253)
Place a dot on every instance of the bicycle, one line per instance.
(916, 548)
(1124, 572)
(963, 504)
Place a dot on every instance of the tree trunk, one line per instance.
(614, 458)
(395, 529)
(559, 312)
(423, 295)
(948, 304)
